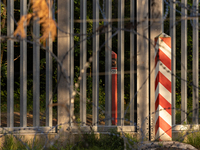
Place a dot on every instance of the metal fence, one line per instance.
(146, 21)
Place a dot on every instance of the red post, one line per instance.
(114, 88)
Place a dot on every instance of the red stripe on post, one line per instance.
(161, 56)
(164, 103)
(167, 40)
(165, 59)
(161, 123)
(163, 80)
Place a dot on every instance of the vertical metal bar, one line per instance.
(83, 60)
(108, 51)
(132, 60)
(156, 14)
(184, 63)
(36, 74)
(72, 59)
(63, 55)
(95, 64)
(143, 68)
(120, 65)
(49, 72)
(23, 71)
(0, 71)
(195, 67)
(173, 58)
(10, 64)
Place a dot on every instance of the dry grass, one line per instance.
(40, 10)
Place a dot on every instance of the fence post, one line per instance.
(108, 50)
(23, 71)
(132, 63)
(72, 95)
(49, 73)
(184, 63)
(156, 14)
(0, 71)
(120, 67)
(142, 69)
(63, 56)
(163, 88)
(10, 64)
(195, 62)
(36, 73)
(173, 42)
(83, 60)
(95, 62)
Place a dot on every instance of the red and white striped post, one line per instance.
(114, 88)
(163, 118)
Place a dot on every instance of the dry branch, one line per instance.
(40, 10)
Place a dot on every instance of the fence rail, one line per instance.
(146, 21)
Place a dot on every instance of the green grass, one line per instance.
(11, 144)
(89, 141)
(194, 139)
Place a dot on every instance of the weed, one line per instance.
(194, 139)
(11, 143)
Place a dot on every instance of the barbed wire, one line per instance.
(63, 72)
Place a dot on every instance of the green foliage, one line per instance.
(9, 143)
(90, 141)
(12, 143)
(89, 97)
(194, 139)
(132, 140)
(105, 141)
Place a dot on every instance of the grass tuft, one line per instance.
(194, 139)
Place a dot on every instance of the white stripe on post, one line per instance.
(163, 115)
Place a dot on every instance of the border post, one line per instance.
(163, 89)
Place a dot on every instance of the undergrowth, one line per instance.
(89, 141)
(194, 139)
(112, 140)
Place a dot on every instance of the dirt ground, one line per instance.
(30, 120)
(42, 120)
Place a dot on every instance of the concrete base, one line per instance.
(165, 145)
(75, 134)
